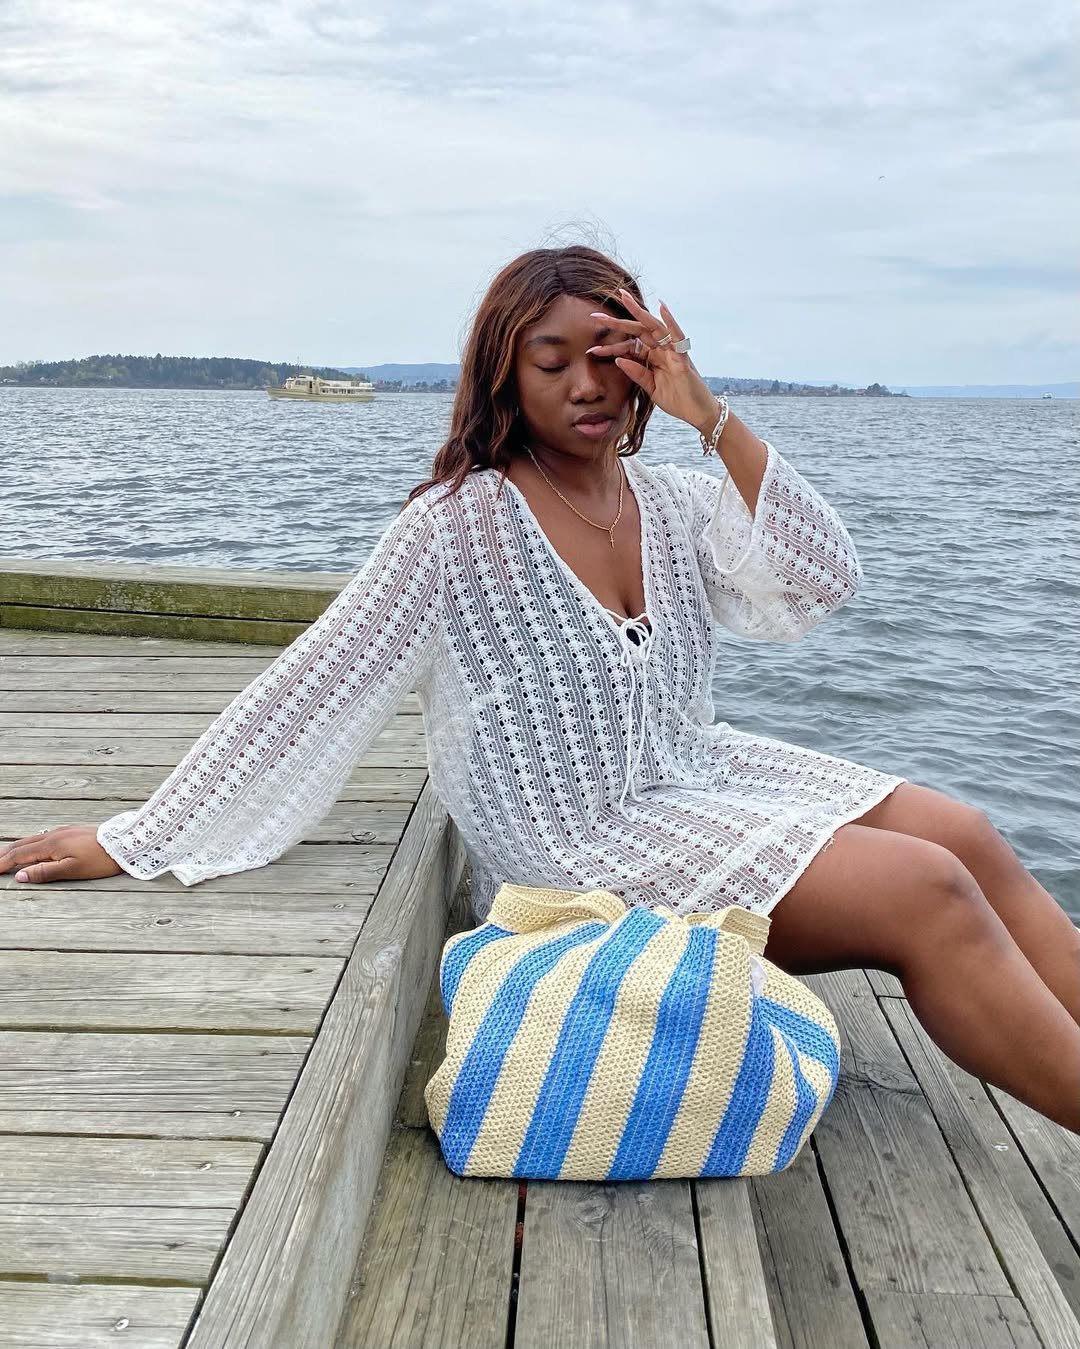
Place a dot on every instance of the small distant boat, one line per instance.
(317, 390)
(1048, 395)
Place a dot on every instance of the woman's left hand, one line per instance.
(666, 375)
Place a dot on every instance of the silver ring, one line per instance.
(665, 340)
(683, 344)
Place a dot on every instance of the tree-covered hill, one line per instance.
(158, 372)
(230, 372)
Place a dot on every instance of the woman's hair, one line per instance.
(485, 426)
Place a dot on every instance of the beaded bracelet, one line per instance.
(709, 446)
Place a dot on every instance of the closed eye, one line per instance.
(554, 369)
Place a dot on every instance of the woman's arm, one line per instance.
(774, 574)
(274, 761)
(744, 455)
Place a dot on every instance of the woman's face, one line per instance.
(558, 384)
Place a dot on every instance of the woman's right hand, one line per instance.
(68, 853)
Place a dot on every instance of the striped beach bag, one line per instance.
(591, 1041)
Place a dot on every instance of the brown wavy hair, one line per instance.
(485, 428)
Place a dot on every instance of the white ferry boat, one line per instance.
(318, 390)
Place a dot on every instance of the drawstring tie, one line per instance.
(634, 656)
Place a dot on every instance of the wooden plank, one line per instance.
(950, 1321)
(124, 991)
(606, 1265)
(346, 822)
(26, 642)
(89, 782)
(1019, 1253)
(406, 733)
(162, 721)
(247, 630)
(736, 1288)
(885, 985)
(126, 1172)
(429, 1047)
(214, 592)
(1012, 1165)
(283, 1280)
(906, 1216)
(73, 700)
(399, 746)
(301, 869)
(95, 918)
(163, 1085)
(1052, 1152)
(212, 685)
(309, 866)
(172, 1244)
(127, 723)
(813, 1303)
(437, 1261)
(94, 1316)
(87, 670)
(64, 697)
(56, 570)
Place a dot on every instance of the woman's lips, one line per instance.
(595, 429)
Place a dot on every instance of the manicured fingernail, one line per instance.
(20, 875)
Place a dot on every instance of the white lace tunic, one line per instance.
(573, 748)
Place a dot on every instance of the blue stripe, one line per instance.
(457, 958)
(805, 1101)
(667, 1068)
(470, 1095)
(809, 1038)
(743, 1114)
(581, 1035)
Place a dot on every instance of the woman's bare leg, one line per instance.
(902, 904)
(1038, 924)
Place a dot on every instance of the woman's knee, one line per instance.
(965, 830)
(876, 898)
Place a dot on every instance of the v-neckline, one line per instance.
(616, 621)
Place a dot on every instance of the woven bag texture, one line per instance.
(591, 1041)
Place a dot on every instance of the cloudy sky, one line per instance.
(820, 189)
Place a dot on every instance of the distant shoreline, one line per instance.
(246, 375)
(417, 388)
(1034, 396)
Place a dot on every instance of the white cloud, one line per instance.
(818, 191)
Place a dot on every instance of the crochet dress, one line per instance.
(572, 747)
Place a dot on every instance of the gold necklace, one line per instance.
(609, 528)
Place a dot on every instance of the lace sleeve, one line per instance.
(274, 761)
(774, 575)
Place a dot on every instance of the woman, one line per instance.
(553, 601)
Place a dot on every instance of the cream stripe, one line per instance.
(482, 977)
(614, 1082)
(513, 1098)
(777, 1115)
(716, 1065)
(820, 1079)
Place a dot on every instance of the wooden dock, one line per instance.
(212, 1127)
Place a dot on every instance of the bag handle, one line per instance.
(527, 908)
